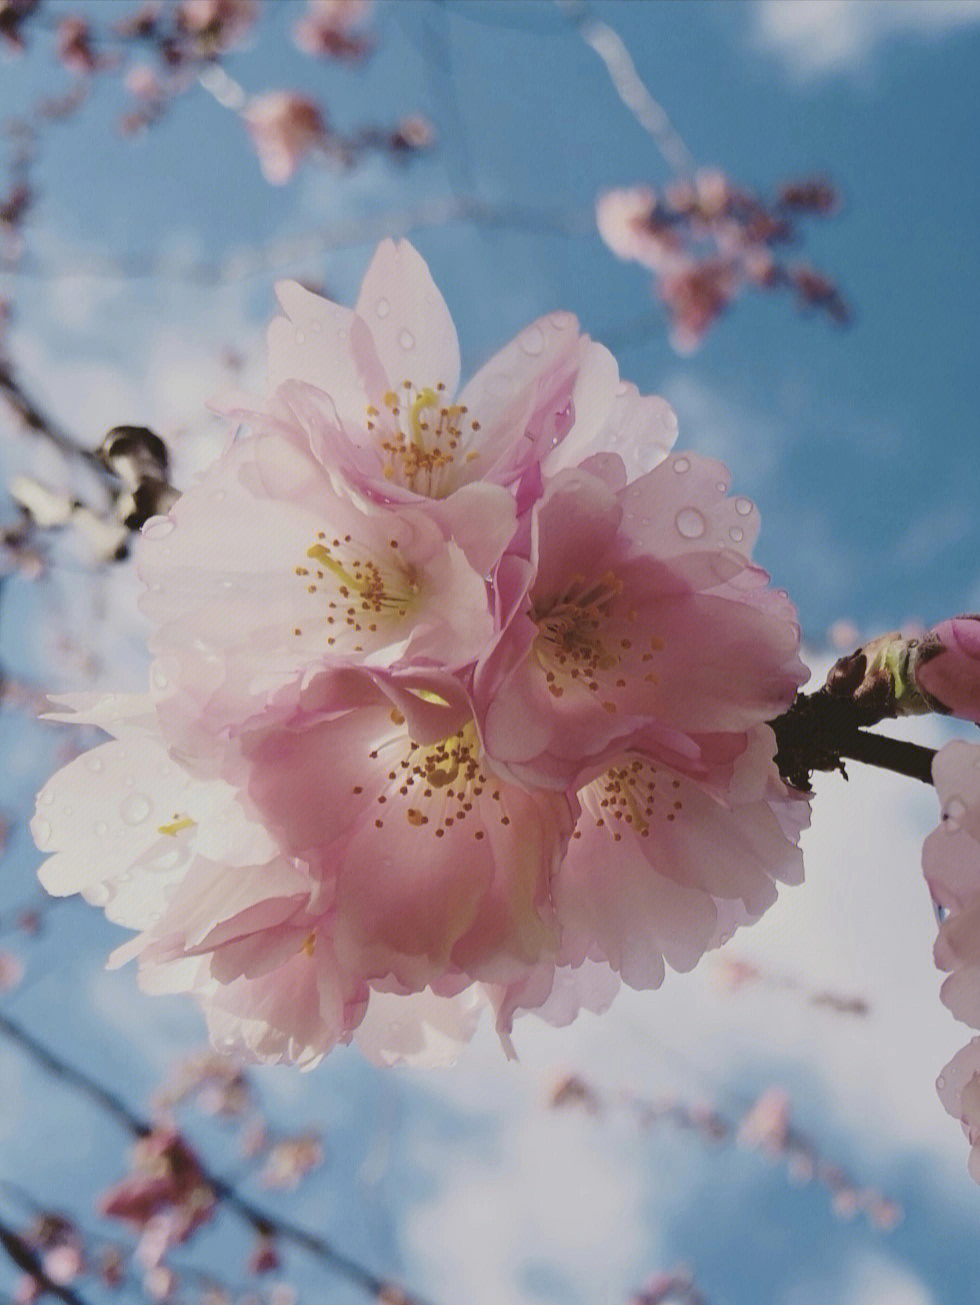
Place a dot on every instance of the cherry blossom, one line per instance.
(951, 861)
(457, 704)
(284, 127)
(331, 29)
(959, 1091)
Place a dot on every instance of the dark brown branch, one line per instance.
(820, 730)
(263, 1223)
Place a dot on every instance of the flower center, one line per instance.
(422, 438)
(629, 794)
(361, 590)
(570, 640)
(436, 786)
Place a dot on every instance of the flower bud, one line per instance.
(946, 667)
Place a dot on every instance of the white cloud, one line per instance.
(817, 37)
(871, 1280)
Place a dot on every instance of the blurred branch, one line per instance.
(651, 116)
(261, 1221)
(26, 1258)
(42, 425)
(344, 233)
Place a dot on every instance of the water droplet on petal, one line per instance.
(342, 333)
(300, 337)
(382, 308)
(135, 808)
(407, 340)
(690, 523)
(100, 827)
(736, 533)
(681, 465)
(67, 809)
(316, 325)
(94, 764)
(721, 487)
(158, 678)
(47, 797)
(97, 895)
(157, 528)
(622, 389)
(941, 1082)
(41, 830)
(743, 506)
(532, 341)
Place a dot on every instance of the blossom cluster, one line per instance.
(458, 697)
(707, 240)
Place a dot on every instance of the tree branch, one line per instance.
(262, 1222)
(26, 1257)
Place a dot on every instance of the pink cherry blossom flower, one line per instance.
(284, 127)
(947, 666)
(959, 1091)
(637, 609)
(166, 1196)
(951, 861)
(329, 29)
(263, 569)
(373, 392)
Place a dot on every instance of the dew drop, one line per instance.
(67, 809)
(681, 465)
(158, 678)
(743, 506)
(690, 523)
(157, 528)
(300, 337)
(342, 333)
(41, 830)
(622, 389)
(382, 308)
(100, 827)
(97, 895)
(135, 808)
(47, 798)
(407, 340)
(956, 808)
(94, 764)
(941, 1082)
(316, 325)
(737, 534)
(532, 341)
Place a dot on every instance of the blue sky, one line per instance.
(859, 447)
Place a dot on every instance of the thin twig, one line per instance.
(26, 1257)
(263, 1223)
(651, 116)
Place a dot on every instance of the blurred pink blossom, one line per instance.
(329, 28)
(284, 127)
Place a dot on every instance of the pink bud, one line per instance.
(947, 666)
